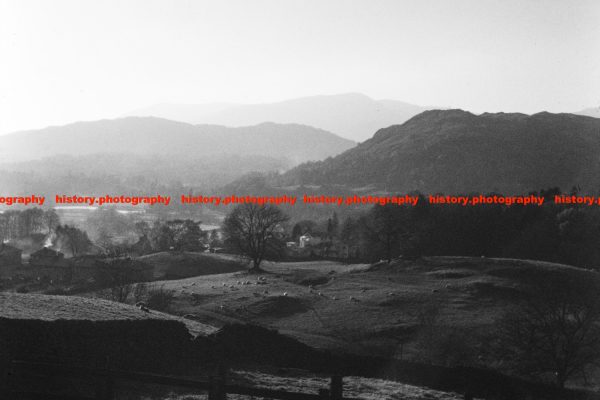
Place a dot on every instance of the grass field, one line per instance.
(360, 308)
(177, 265)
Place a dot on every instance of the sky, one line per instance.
(64, 61)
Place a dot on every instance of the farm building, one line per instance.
(9, 255)
(307, 240)
(142, 247)
(47, 257)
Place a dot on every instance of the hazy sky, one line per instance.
(62, 61)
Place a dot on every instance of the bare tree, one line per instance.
(254, 231)
(555, 330)
(119, 277)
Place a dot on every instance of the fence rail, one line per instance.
(216, 386)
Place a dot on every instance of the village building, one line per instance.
(46, 257)
(9, 255)
(308, 240)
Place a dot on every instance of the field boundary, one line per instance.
(216, 386)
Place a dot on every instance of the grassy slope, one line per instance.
(177, 265)
(360, 308)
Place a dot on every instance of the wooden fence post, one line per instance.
(216, 388)
(105, 389)
(211, 388)
(336, 388)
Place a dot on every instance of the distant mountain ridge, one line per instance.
(590, 112)
(351, 115)
(454, 151)
(148, 136)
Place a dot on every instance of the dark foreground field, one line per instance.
(360, 314)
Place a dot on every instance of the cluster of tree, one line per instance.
(556, 233)
(171, 235)
(72, 240)
(326, 228)
(107, 227)
(17, 224)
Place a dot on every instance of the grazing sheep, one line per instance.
(140, 304)
(144, 309)
(320, 294)
(334, 298)
(391, 294)
(285, 293)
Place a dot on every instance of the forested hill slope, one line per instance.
(454, 151)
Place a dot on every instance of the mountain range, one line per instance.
(591, 112)
(454, 151)
(147, 136)
(351, 115)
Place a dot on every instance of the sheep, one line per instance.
(140, 304)
(334, 298)
(285, 293)
(320, 294)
